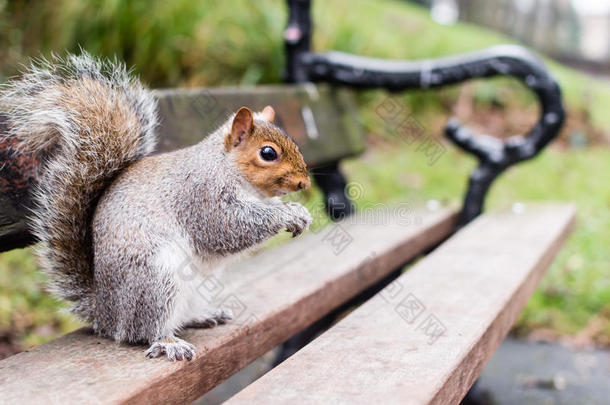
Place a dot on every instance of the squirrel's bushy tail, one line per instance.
(86, 120)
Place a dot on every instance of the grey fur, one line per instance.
(124, 269)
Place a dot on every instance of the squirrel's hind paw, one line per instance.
(212, 319)
(173, 347)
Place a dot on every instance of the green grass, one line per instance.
(186, 43)
(392, 29)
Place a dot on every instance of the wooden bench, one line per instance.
(423, 338)
(474, 285)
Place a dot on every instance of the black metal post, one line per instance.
(332, 182)
(297, 39)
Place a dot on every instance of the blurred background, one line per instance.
(576, 32)
(210, 43)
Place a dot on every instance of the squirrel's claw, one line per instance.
(299, 219)
(212, 319)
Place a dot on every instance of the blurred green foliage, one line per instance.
(169, 43)
(238, 42)
(27, 313)
(210, 43)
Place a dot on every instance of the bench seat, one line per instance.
(273, 295)
(425, 338)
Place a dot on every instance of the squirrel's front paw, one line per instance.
(174, 348)
(299, 218)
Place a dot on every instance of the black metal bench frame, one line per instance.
(494, 155)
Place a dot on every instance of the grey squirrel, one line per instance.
(116, 223)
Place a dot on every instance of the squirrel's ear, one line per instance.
(268, 114)
(240, 129)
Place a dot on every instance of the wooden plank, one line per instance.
(425, 338)
(273, 295)
(322, 119)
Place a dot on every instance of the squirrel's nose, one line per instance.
(303, 184)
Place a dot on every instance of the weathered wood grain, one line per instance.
(273, 295)
(321, 119)
(425, 338)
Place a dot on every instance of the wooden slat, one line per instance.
(273, 295)
(425, 338)
(321, 119)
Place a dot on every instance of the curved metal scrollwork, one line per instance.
(494, 155)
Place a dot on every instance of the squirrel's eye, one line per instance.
(268, 153)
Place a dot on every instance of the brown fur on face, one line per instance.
(286, 174)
